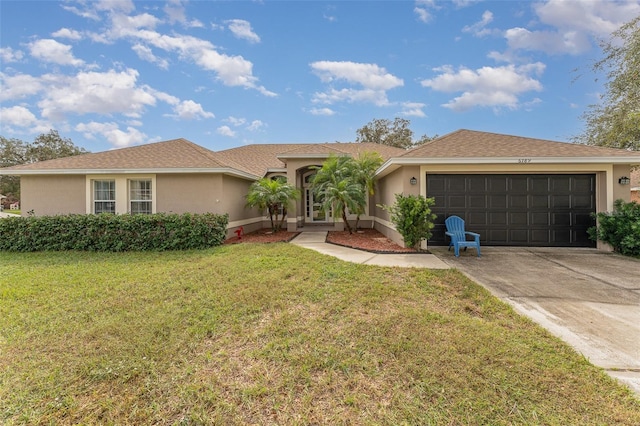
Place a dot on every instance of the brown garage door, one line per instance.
(517, 210)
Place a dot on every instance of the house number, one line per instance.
(524, 160)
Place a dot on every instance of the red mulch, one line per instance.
(368, 240)
(363, 239)
(264, 236)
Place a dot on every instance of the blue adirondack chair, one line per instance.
(455, 231)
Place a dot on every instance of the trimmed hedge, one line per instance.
(113, 233)
(620, 228)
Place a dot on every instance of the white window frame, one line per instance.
(100, 200)
(143, 195)
(122, 194)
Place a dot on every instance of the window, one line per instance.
(104, 196)
(140, 199)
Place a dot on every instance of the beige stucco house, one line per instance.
(512, 190)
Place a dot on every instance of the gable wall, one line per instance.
(52, 195)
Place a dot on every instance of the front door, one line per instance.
(314, 213)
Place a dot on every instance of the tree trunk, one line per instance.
(346, 222)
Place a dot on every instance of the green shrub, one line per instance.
(411, 214)
(113, 233)
(620, 228)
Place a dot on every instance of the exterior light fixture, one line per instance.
(413, 181)
(624, 180)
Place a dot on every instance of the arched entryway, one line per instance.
(312, 203)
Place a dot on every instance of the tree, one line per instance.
(12, 152)
(273, 195)
(51, 145)
(385, 132)
(338, 187)
(364, 168)
(615, 121)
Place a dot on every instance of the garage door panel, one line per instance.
(527, 210)
(518, 218)
(540, 219)
(539, 201)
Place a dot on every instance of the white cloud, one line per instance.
(49, 50)
(67, 33)
(487, 86)
(413, 109)
(572, 25)
(7, 55)
(190, 110)
(423, 14)
(17, 116)
(20, 117)
(375, 81)
(226, 131)
(322, 111)
(18, 86)
(176, 13)
(242, 30)
(94, 92)
(479, 28)
(235, 121)
(112, 133)
(146, 54)
(256, 125)
(551, 42)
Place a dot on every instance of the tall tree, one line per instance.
(272, 195)
(615, 121)
(51, 145)
(393, 133)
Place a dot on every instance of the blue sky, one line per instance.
(116, 73)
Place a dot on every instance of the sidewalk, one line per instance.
(317, 241)
(5, 214)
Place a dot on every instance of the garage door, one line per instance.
(517, 210)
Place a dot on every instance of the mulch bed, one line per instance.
(369, 240)
(264, 236)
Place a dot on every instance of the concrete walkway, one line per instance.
(5, 214)
(317, 241)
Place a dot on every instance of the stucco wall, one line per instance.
(52, 195)
(621, 191)
(189, 193)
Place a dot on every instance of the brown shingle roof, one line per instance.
(172, 154)
(473, 144)
(258, 159)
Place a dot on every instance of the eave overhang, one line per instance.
(394, 163)
(42, 172)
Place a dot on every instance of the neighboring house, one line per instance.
(512, 190)
(14, 206)
(635, 185)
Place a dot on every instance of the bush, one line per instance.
(112, 233)
(620, 228)
(411, 214)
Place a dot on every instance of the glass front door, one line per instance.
(313, 208)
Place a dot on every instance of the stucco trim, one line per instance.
(226, 170)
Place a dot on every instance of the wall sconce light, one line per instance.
(624, 180)
(413, 181)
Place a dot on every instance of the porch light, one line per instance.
(624, 180)
(413, 181)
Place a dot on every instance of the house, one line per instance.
(635, 185)
(512, 190)
(14, 206)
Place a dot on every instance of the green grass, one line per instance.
(276, 334)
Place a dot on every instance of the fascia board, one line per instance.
(397, 162)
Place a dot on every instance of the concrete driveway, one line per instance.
(589, 298)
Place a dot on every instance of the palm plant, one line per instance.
(336, 184)
(364, 169)
(272, 194)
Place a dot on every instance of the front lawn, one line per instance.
(276, 334)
